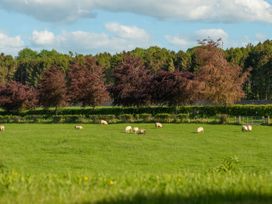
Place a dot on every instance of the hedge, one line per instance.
(192, 111)
(126, 118)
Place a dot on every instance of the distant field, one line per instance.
(104, 156)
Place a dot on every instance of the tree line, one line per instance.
(153, 76)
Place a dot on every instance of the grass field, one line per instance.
(101, 164)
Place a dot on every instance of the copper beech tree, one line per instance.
(15, 96)
(131, 83)
(171, 88)
(52, 88)
(86, 84)
(217, 81)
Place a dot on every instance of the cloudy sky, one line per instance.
(91, 26)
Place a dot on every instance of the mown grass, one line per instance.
(53, 148)
(101, 164)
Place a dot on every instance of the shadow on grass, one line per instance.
(210, 198)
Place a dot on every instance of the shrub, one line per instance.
(164, 117)
(145, 117)
(182, 117)
(223, 118)
(127, 118)
(57, 119)
(229, 164)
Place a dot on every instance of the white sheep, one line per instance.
(200, 130)
(249, 128)
(158, 125)
(244, 128)
(128, 129)
(2, 128)
(79, 127)
(135, 129)
(141, 132)
(103, 122)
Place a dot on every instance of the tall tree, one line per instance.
(31, 65)
(86, 83)
(15, 96)
(217, 81)
(104, 60)
(7, 68)
(171, 88)
(260, 59)
(131, 82)
(52, 88)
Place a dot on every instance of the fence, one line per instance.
(254, 120)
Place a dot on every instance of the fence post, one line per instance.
(238, 120)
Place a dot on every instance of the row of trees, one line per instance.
(29, 65)
(131, 82)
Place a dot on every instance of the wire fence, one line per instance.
(254, 120)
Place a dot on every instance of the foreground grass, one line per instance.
(189, 188)
(101, 164)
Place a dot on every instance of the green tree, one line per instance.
(7, 68)
(31, 65)
(259, 59)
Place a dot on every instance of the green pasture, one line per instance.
(55, 163)
(53, 148)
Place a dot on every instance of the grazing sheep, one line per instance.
(200, 130)
(128, 129)
(141, 132)
(135, 129)
(158, 125)
(79, 127)
(244, 128)
(103, 122)
(249, 128)
(2, 128)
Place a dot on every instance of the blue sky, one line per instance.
(91, 26)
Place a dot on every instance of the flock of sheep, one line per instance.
(140, 131)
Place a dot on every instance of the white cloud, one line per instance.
(193, 10)
(45, 37)
(123, 38)
(213, 34)
(130, 32)
(184, 42)
(178, 41)
(10, 45)
(51, 10)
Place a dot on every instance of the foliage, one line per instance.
(223, 118)
(171, 88)
(131, 83)
(201, 111)
(52, 89)
(31, 65)
(7, 68)
(228, 67)
(85, 83)
(217, 81)
(15, 96)
(229, 164)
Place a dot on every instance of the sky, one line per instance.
(93, 26)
